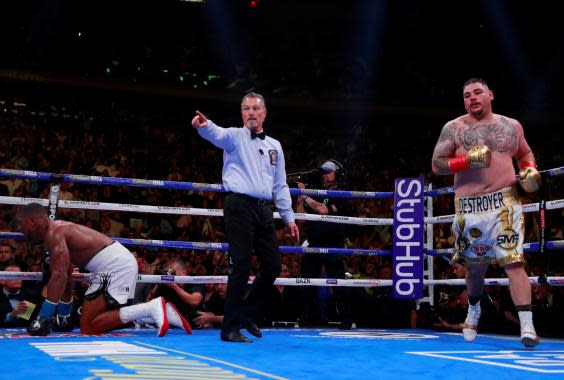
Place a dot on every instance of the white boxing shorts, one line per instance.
(116, 278)
(489, 228)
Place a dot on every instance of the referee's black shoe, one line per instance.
(234, 336)
(252, 328)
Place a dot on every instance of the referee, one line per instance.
(254, 176)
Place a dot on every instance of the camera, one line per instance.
(312, 179)
(192, 315)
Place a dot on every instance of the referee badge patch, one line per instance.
(273, 154)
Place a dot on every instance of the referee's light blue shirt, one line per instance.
(253, 167)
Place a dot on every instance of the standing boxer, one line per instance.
(479, 148)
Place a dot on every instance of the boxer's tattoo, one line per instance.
(445, 147)
(441, 163)
(499, 137)
(447, 134)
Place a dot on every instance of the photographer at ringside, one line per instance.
(185, 297)
(324, 234)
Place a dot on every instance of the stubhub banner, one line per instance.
(408, 238)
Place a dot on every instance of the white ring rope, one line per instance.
(170, 279)
(104, 206)
(167, 279)
(188, 211)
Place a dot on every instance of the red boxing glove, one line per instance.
(479, 156)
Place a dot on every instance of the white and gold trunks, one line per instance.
(489, 227)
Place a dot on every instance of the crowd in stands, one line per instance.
(60, 141)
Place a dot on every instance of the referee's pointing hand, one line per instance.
(199, 121)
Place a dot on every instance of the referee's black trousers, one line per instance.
(249, 225)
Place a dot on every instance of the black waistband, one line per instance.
(253, 200)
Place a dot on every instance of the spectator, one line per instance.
(548, 309)
(6, 254)
(185, 297)
(15, 300)
(286, 302)
(320, 234)
(212, 312)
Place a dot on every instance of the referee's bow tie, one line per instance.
(14, 296)
(260, 135)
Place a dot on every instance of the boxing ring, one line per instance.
(281, 353)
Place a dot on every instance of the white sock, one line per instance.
(134, 312)
(525, 316)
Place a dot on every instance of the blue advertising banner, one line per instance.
(408, 238)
